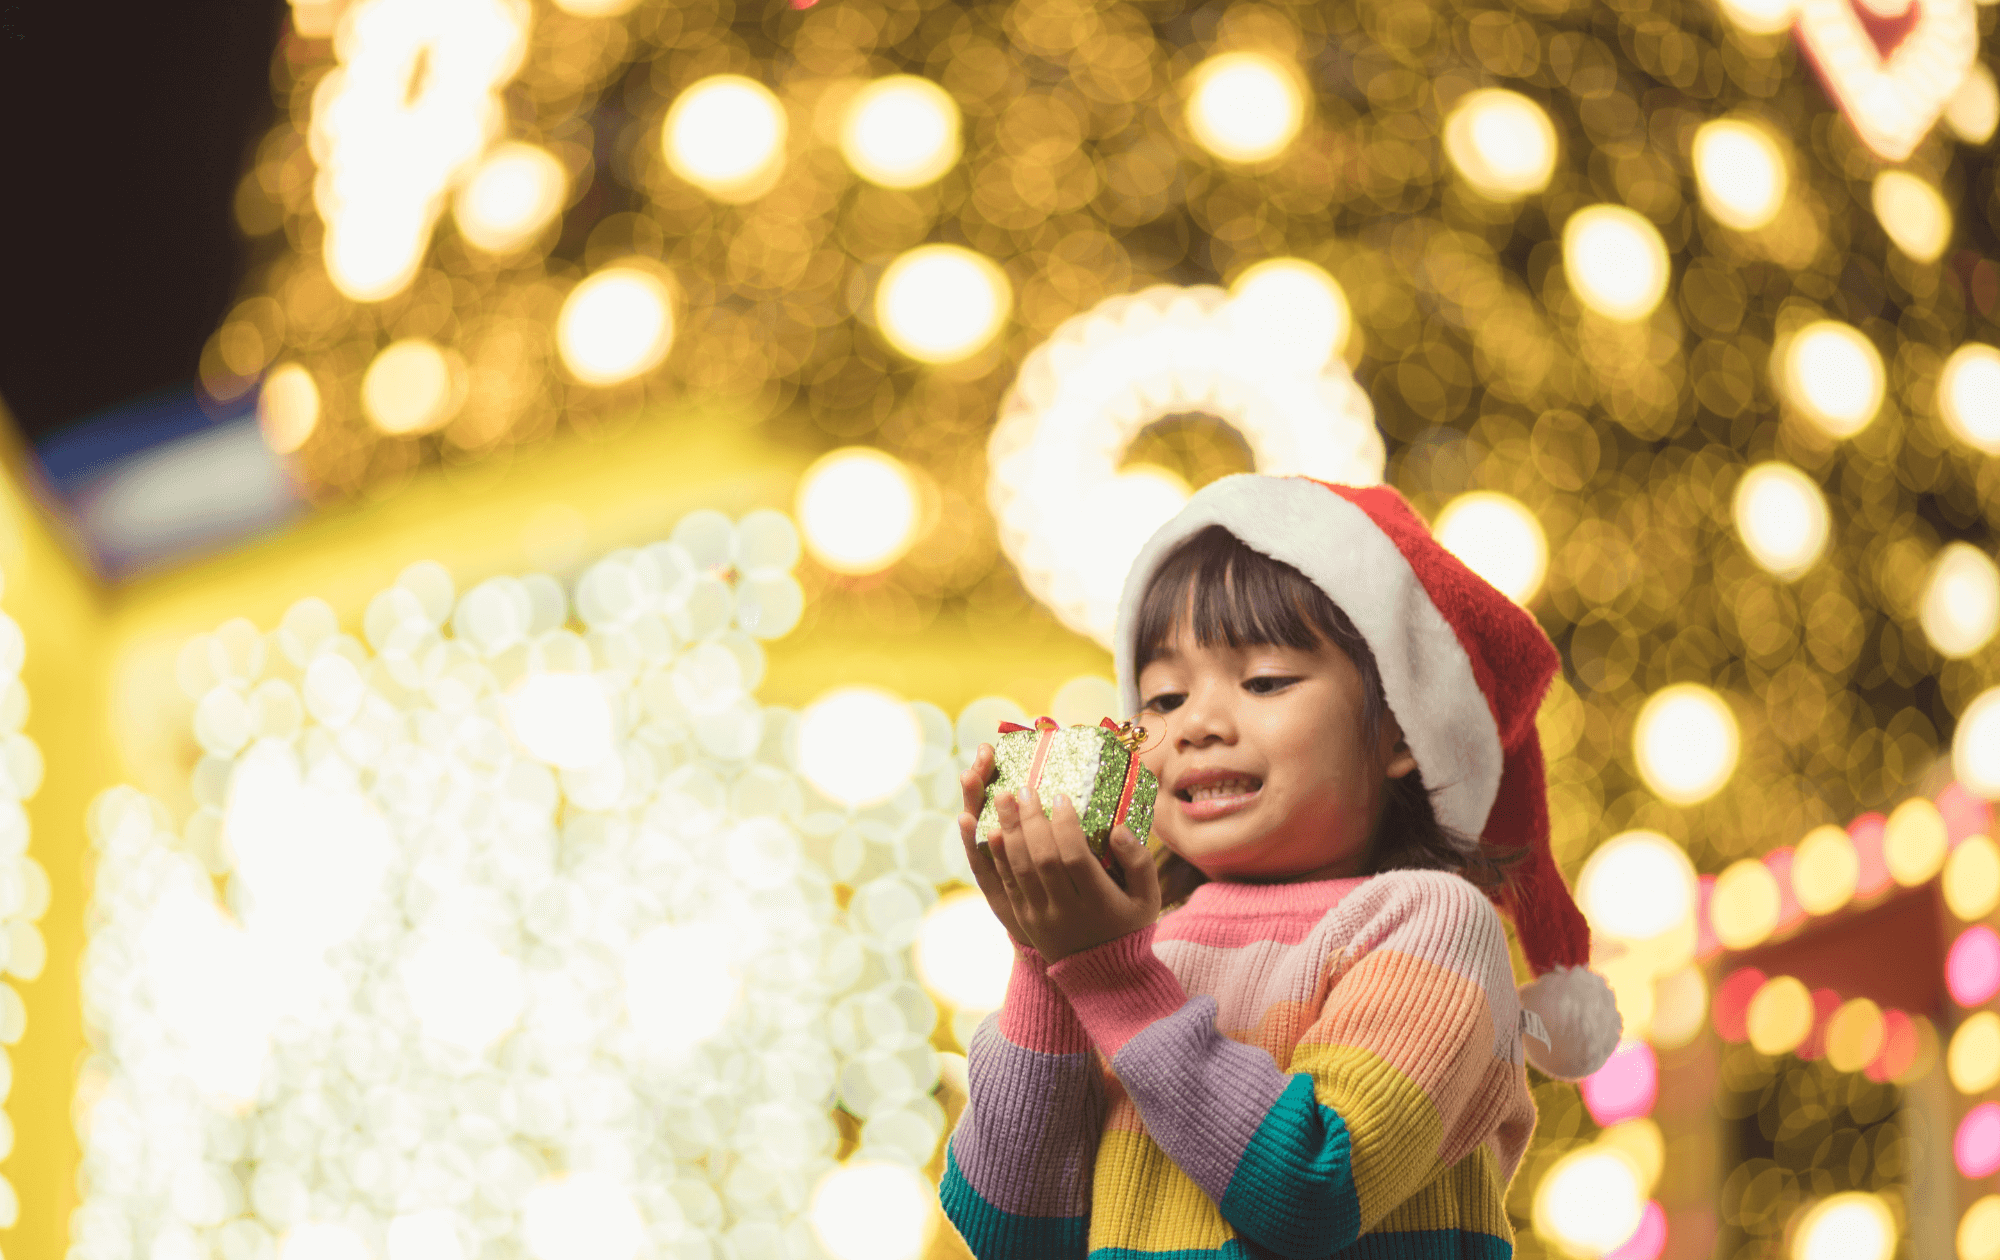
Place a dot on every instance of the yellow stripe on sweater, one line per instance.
(1141, 1199)
(1468, 1196)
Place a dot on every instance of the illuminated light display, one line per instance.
(595, 8)
(1502, 143)
(726, 135)
(1825, 870)
(1972, 878)
(412, 386)
(615, 325)
(1975, 1147)
(1744, 907)
(1782, 518)
(391, 144)
(1913, 213)
(561, 718)
(1961, 603)
(1637, 886)
(515, 192)
(858, 510)
(1740, 171)
(1616, 262)
(1975, 745)
(1499, 539)
(1070, 518)
(942, 303)
(1780, 1016)
(1626, 1087)
(288, 408)
(962, 953)
(1686, 743)
(1854, 1225)
(901, 131)
(1972, 966)
(1914, 842)
(1761, 17)
(1589, 1202)
(1973, 1058)
(1978, 1234)
(1855, 1035)
(581, 1214)
(1833, 375)
(1975, 108)
(858, 745)
(1680, 1008)
(863, 1210)
(1294, 308)
(1244, 107)
(1892, 102)
(1969, 396)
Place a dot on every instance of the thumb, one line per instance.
(1142, 879)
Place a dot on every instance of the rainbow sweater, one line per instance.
(1271, 1070)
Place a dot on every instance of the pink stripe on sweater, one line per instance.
(1036, 1015)
(1118, 988)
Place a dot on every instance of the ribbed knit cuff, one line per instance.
(1036, 1015)
(1118, 988)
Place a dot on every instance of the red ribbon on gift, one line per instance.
(1048, 727)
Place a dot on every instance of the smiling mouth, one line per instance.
(1220, 789)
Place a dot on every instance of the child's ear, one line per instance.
(1401, 761)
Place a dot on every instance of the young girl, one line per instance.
(1321, 1049)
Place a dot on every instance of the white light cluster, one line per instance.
(406, 113)
(1069, 518)
(24, 885)
(528, 942)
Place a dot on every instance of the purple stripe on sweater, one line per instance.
(1027, 1141)
(1201, 1095)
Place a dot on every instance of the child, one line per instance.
(1322, 1047)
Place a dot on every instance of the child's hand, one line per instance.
(972, 787)
(1061, 896)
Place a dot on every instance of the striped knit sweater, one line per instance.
(1271, 1070)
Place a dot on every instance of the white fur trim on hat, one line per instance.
(1426, 675)
(1579, 1018)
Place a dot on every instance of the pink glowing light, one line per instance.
(1867, 833)
(1625, 1087)
(1976, 1149)
(1965, 813)
(1972, 968)
(1731, 1008)
(1647, 1241)
(1706, 944)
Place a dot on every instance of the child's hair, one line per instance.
(1226, 592)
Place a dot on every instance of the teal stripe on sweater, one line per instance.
(1293, 1189)
(1422, 1244)
(996, 1235)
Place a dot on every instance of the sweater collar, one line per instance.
(1227, 900)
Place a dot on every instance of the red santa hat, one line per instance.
(1464, 670)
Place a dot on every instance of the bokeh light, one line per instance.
(1913, 213)
(1961, 604)
(1589, 1202)
(1295, 308)
(1501, 142)
(1244, 106)
(942, 303)
(614, 325)
(581, 1216)
(288, 407)
(1636, 886)
(1626, 1087)
(1761, 17)
(1853, 1225)
(410, 387)
(726, 135)
(1975, 1147)
(1499, 539)
(858, 745)
(962, 953)
(1745, 904)
(1969, 396)
(1978, 1235)
(561, 718)
(858, 510)
(1972, 878)
(901, 131)
(1685, 742)
(1741, 173)
(1854, 1035)
(516, 191)
(321, 1240)
(678, 989)
(1615, 261)
(1833, 375)
(1975, 745)
(1974, 111)
(1972, 966)
(1914, 842)
(1972, 1060)
(865, 1210)
(1781, 516)
(1780, 1016)
(1825, 870)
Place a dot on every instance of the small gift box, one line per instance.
(1097, 767)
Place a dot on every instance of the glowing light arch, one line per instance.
(1069, 519)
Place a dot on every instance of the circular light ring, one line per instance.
(1969, 396)
(1065, 516)
(1502, 143)
(942, 303)
(1686, 743)
(1740, 171)
(859, 510)
(1852, 1225)
(1499, 539)
(515, 192)
(1245, 107)
(288, 408)
(1782, 518)
(1975, 745)
(726, 135)
(616, 324)
(1833, 374)
(1616, 262)
(901, 131)
(1913, 213)
(1960, 610)
(412, 386)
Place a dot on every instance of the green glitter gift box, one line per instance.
(1097, 767)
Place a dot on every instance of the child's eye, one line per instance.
(1164, 703)
(1268, 684)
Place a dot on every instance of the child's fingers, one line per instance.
(987, 876)
(1072, 849)
(1043, 852)
(1021, 874)
(1142, 878)
(972, 784)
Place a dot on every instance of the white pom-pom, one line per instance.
(1576, 1008)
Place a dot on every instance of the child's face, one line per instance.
(1266, 770)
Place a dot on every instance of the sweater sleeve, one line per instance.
(1411, 1063)
(1018, 1167)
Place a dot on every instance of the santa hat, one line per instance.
(1464, 669)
